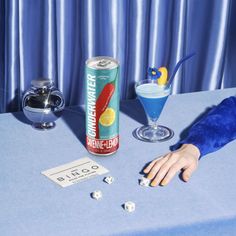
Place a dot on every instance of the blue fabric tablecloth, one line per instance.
(30, 204)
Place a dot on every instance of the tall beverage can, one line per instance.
(102, 105)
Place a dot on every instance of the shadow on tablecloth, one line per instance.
(21, 117)
(75, 120)
(134, 110)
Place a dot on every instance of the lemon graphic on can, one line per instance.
(107, 118)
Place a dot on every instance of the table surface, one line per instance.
(30, 204)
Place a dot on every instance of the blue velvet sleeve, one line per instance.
(214, 130)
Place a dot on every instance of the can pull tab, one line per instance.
(104, 63)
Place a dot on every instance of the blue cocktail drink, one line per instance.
(153, 98)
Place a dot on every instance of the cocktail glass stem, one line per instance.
(153, 123)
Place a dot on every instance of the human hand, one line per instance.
(164, 168)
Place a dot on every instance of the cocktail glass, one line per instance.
(153, 98)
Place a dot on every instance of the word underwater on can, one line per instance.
(102, 105)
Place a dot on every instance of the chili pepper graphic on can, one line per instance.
(102, 105)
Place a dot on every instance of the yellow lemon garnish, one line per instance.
(162, 80)
(108, 117)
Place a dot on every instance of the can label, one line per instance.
(102, 106)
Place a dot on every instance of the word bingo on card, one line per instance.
(75, 172)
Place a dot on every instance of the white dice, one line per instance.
(144, 182)
(129, 206)
(96, 194)
(109, 179)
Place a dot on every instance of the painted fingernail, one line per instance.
(186, 178)
(153, 184)
(149, 177)
(163, 183)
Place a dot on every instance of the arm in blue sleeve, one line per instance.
(214, 130)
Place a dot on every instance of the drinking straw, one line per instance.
(177, 67)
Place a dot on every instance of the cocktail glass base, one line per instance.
(44, 126)
(150, 134)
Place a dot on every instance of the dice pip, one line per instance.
(144, 182)
(129, 206)
(96, 194)
(109, 179)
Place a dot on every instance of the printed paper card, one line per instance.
(75, 172)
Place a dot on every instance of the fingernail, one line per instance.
(153, 184)
(163, 183)
(149, 177)
(186, 178)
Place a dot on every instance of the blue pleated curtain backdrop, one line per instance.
(53, 38)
